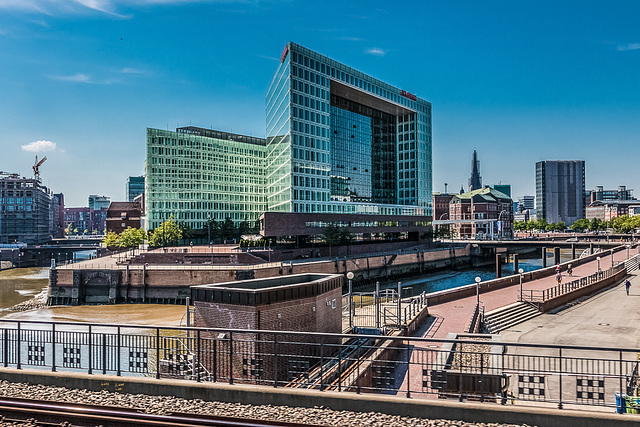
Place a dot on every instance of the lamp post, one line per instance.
(598, 259)
(350, 277)
(209, 230)
(520, 271)
(478, 280)
(611, 258)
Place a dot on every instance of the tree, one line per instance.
(228, 229)
(131, 237)
(331, 235)
(110, 239)
(595, 224)
(580, 225)
(167, 232)
(187, 231)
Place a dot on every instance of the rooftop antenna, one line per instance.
(36, 167)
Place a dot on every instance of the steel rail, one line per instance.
(48, 413)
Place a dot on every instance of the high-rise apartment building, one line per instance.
(340, 141)
(134, 187)
(560, 186)
(26, 211)
(526, 203)
(197, 174)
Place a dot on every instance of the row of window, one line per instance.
(18, 200)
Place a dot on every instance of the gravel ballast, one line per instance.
(166, 404)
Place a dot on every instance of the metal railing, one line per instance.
(384, 310)
(542, 295)
(477, 367)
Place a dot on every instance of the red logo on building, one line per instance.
(284, 54)
(408, 95)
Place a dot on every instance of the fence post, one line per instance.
(119, 371)
(230, 357)
(275, 363)
(408, 370)
(621, 376)
(560, 378)
(104, 354)
(157, 353)
(90, 353)
(5, 333)
(53, 347)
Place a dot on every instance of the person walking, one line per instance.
(627, 285)
(559, 277)
(570, 270)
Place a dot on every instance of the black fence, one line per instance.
(478, 367)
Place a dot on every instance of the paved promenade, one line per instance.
(454, 316)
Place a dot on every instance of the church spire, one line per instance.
(475, 181)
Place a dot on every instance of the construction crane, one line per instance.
(36, 167)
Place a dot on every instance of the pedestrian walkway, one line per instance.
(454, 316)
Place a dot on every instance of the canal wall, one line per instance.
(79, 284)
(448, 295)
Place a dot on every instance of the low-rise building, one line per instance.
(481, 213)
(122, 215)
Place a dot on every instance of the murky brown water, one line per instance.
(21, 284)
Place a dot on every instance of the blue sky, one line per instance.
(518, 81)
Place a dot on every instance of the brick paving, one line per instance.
(455, 316)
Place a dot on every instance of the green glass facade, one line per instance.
(194, 174)
(339, 141)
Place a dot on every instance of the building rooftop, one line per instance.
(487, 194)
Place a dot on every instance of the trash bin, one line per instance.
(621, 403)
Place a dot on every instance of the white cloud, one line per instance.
(376, 51)
(110, 7)
(128, 70)
(38, 146)
(628, 46)
(77, 78)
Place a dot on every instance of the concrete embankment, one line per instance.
(362, 403)
(169, 284)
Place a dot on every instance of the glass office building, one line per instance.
(134, 187)
(195, 174)
(340, 141)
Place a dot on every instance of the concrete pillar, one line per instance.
(590, 248)
(515, 263)
(573, 251)
(544, 257)
(556, 256)
(498, 269)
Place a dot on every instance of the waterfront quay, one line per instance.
(462, 376)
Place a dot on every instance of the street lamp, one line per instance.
(520, 271)
(478, 280)
(611, 258)
(350, 277)
(598, 259)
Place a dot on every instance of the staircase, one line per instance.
(508, 316)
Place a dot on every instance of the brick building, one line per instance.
(481, 213)
(121, 215)
(300, 302)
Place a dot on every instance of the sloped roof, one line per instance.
(486, 194)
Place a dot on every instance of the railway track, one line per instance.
(72, 414)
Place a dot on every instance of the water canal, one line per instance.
(22, 284)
